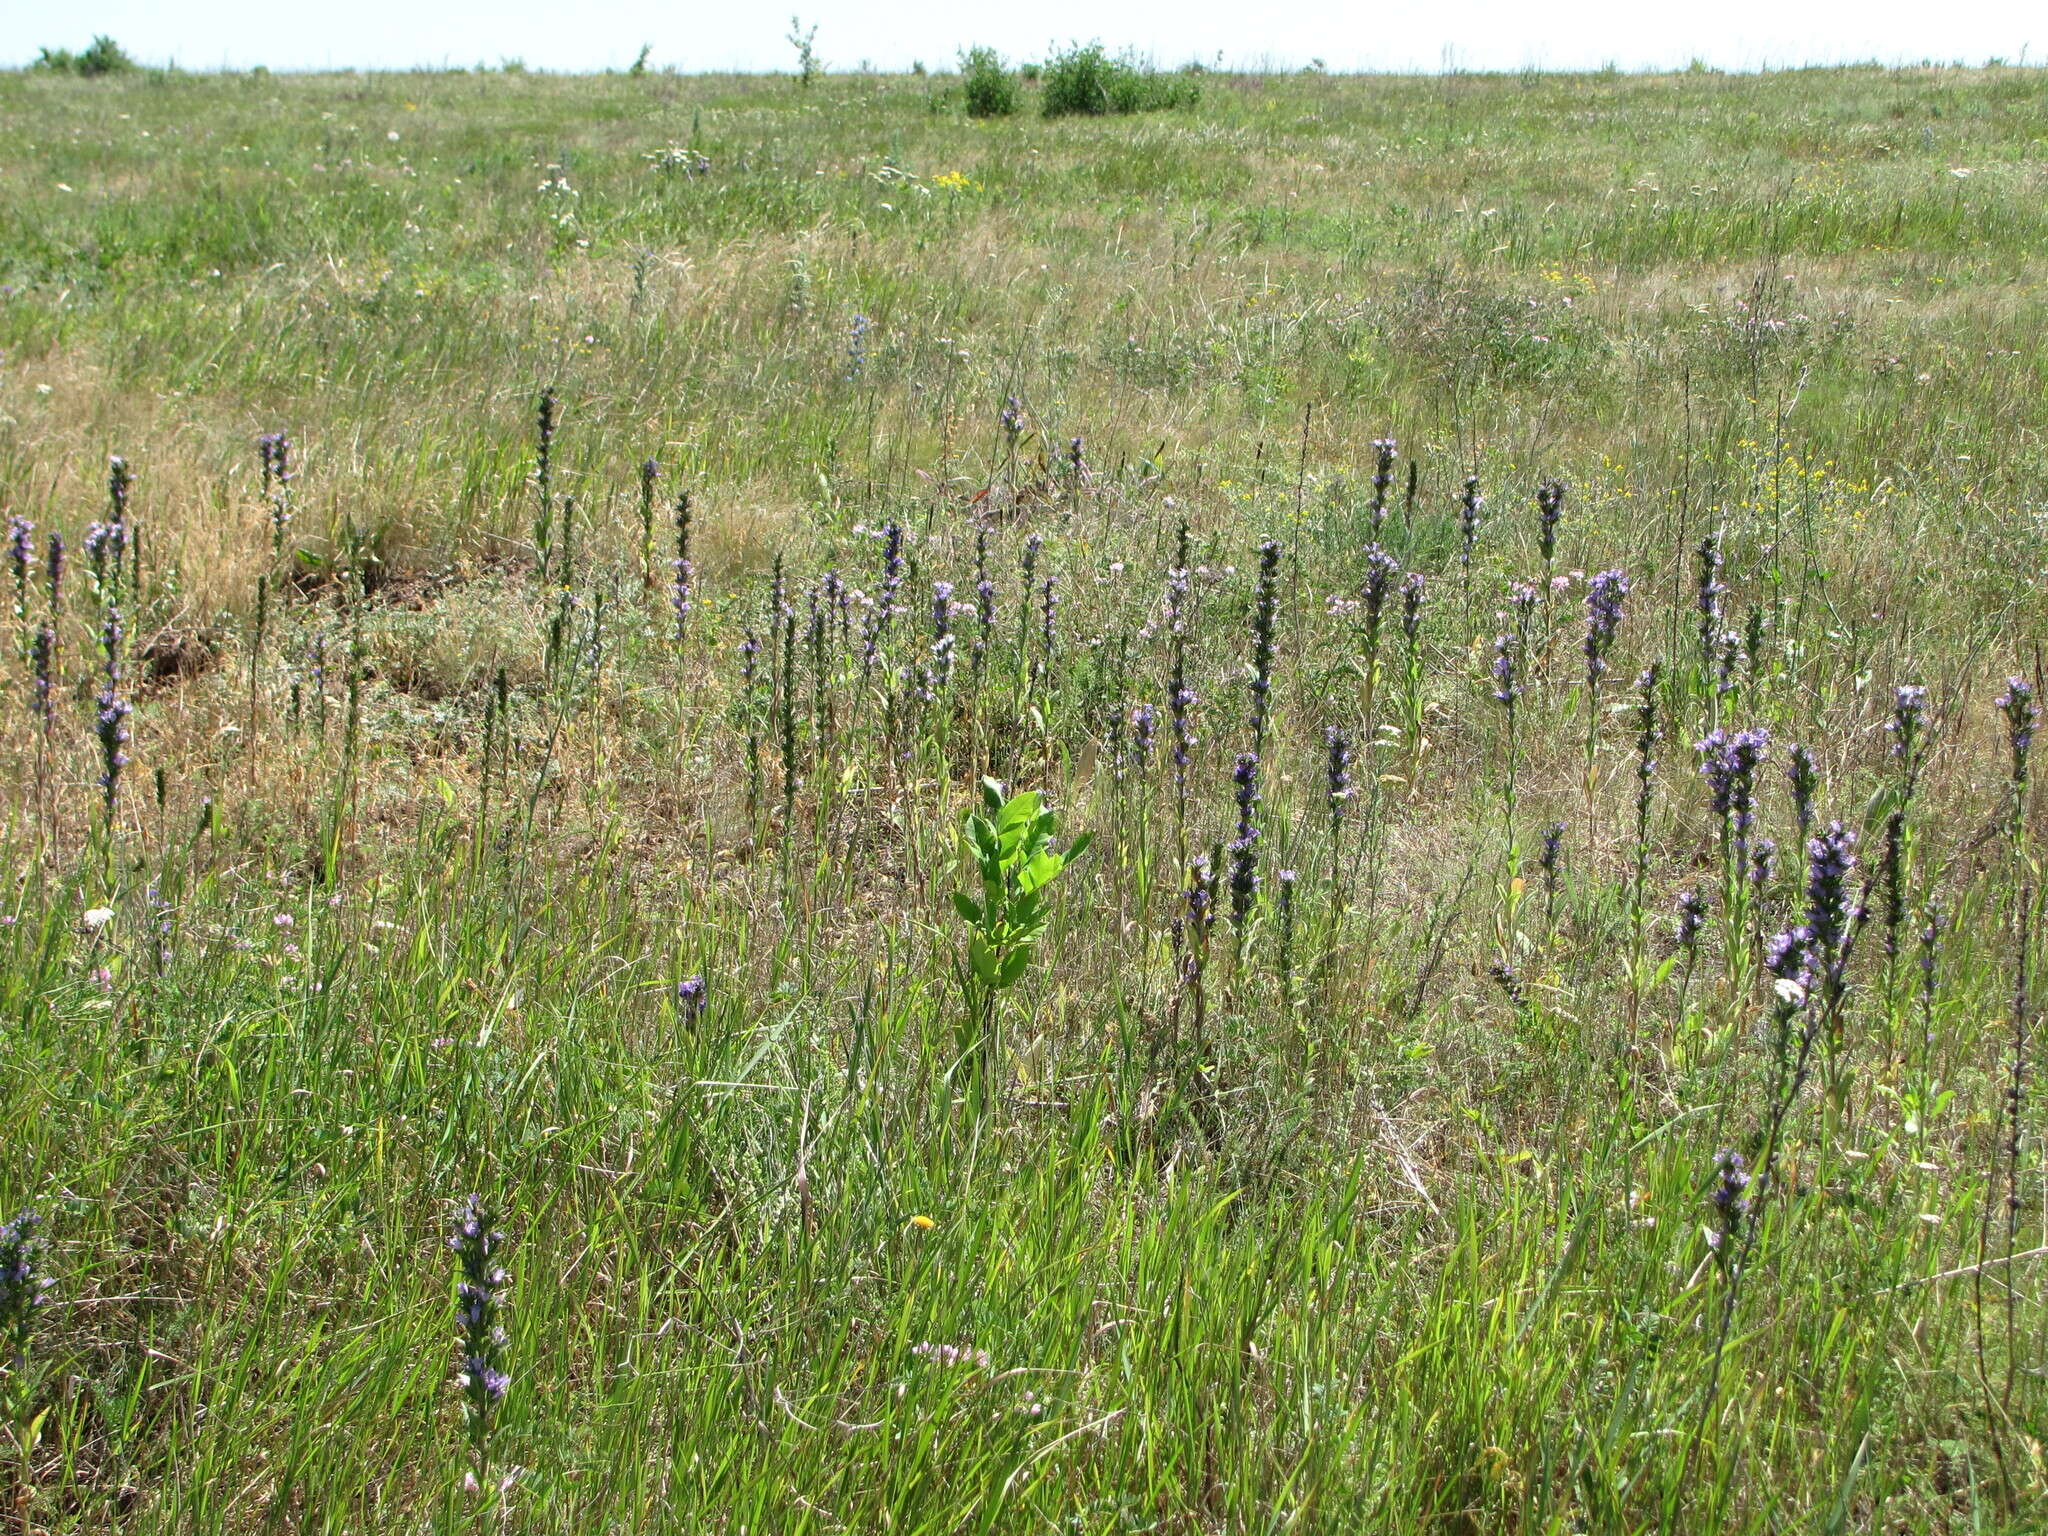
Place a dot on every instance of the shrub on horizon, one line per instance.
(986, 85)
(1086, 81)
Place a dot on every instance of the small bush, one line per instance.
(1087, 81)
(989, 90)
(104, 57)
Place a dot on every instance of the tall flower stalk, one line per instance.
(1382, 481)
(1413, 592)
(1381, 570)
(21, 555)
(543, 482)
(1510, 654)
(481, 1341)
(682, 572)
(1708, 590)
(1265, 605)
(1244, 847)
(275, 451)
(111, 710)
(1729, 764)
(1605, 594)
(1471, 508)
(1648, 734)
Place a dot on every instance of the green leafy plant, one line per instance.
(808, 64)
(104, 57)
(987, 86)
(1009, 840)
(1086, 81)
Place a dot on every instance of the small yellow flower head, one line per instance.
(925, 1223)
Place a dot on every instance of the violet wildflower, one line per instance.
(276, 451)
(120, 483)
(42, 668)
(877, 623)
(1382, 480)
(1805, 779)
(1763, 863)
(984, 605)
(1507, 688)
(1907, 726)
(1177, 585)
(1787, 957)
(1892, 877)
(1380, 570)
(1337, 775)
(1470, 507)
(97, 537)
(1244, 851)
(1411, 703)
(1287, 880)
(691, 997)
(1027, 571)
(543, 480)
(479, 1310)
(1012, 420)
(942, 635)
(1728, 662)
(650, 477)
(1830, 909)
(857, 346)
(1549, 851)
(1604, 595)
(2017, 705)
(1707, 595)
(1144, 730)
(1049, 610)
(21, 554)
(1692, 917)
(1510, 984)
(1549, 512)
(111, 718)
(53, 572)
(1181, 701)
(1201, 895)
(1729, 1201)
(1264, 606)
(1729, 764)
(24, 1288)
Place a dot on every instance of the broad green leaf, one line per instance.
(966, 907)
(1020, 809)
(984, 961)
(1037, 872)
(1013, 965)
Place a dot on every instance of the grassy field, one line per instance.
(1469, 1082)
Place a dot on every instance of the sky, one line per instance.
(606, 34)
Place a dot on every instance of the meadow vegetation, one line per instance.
(1312, 812)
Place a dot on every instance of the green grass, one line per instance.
(1300, 1224)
